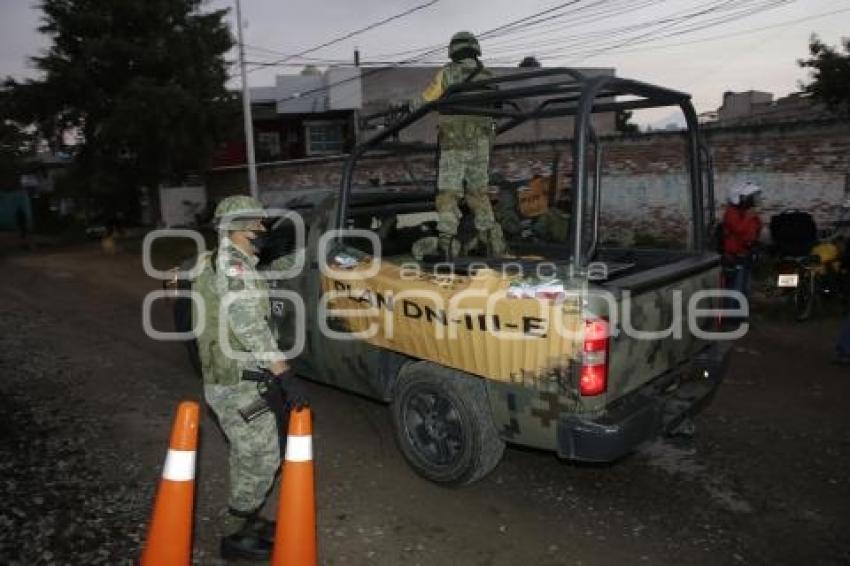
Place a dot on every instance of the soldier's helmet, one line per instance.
(238, 213)
(463, 44)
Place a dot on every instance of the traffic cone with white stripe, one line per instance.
(169, 540)
(295, 535)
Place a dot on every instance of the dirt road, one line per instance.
(86, 401)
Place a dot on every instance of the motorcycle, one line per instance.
(819, 273)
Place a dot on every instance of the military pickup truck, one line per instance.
(580, 344)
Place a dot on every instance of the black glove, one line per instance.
(293, 387)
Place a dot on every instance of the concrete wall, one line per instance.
(804, 166)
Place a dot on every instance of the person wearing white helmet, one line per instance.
(741, 229)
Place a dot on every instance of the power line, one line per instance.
(611, 39)
(609, 34)
(520, 23)
(556, 35)
(714, 23)
(737, 33)
(354, 33)
(556, 26)
(322, 62)
(678, 23)
(559, 11)
(424, 54)
(301, 61)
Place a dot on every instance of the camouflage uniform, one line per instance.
(507, 216)
(430, 245)
(465, 143)
(254, 446)
(552, 226)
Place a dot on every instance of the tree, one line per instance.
(12, 151)
(622, 123)
(16, 143)
(830, 72)
(143, 80)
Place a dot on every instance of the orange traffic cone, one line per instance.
(295, 536)
(170, 532)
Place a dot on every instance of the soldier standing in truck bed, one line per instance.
(465, 143)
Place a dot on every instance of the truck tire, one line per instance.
(443, 424)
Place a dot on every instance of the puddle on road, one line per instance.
(681, 462)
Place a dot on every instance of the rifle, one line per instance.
(273, 397)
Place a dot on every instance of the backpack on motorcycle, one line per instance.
(793, 232)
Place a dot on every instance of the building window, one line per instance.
(324, 138)
(268, 145)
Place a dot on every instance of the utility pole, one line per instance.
(246, 108)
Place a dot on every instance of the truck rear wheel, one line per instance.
(443, 424)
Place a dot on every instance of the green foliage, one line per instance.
(10, 157)
(830, 72)
(15, 144)
(142, 80)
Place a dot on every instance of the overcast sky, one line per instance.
(761, 59)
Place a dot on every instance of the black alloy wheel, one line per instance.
(443, 424)
(433, 426)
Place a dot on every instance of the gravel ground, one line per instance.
(70, 496)
(86, 402)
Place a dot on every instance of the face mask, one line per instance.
(260, 241)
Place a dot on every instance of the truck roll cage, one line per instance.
(567, 92)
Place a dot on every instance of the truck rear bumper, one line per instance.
(656, 408)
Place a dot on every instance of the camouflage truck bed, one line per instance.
(532, 352)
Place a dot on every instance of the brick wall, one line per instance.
(804, 166)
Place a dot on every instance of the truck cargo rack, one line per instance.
(564, 92)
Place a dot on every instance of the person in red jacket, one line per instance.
(741, 229)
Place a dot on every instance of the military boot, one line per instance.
(494, 242)
(445, 247)
(254, 540)
(263, 527)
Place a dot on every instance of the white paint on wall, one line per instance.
(655, 203)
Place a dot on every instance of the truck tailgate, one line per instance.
(654, 331)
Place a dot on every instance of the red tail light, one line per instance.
(594, 368)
